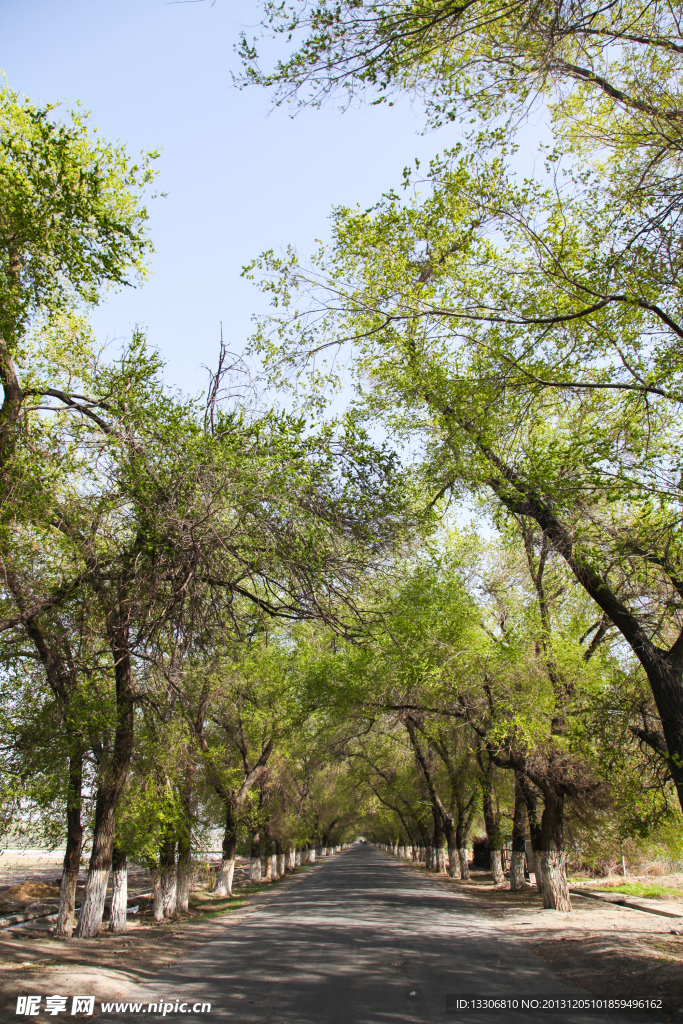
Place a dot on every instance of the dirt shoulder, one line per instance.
(110, 967)
(606, 949)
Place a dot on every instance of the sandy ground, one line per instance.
(607, 950)
(44, 866)
(33, 962)
(22, 865)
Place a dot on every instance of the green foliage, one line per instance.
(71, 215)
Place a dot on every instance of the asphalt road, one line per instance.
(363, 939)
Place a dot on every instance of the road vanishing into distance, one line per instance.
(362, 939)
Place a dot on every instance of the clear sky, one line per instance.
(239, 179)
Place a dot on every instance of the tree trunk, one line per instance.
(494, 838)
(184, 873)
(553, 856)
(157, 898)
(518, 833)
(453, 860)
(665, 675)
(297, 859)
(112, 779)
(226, 873)
(311, 855)
(255, 858)
(461, 829)
(496, 865)
(429, 857)
(534, 830)
(119, 891)
(255, 870)
(555, 888)
(464, 865)
(440, 866)
(291, 859)
(517, 870)
(223, 886)
(66, 916)
(13, 397)
(169, 877)
(92, 910)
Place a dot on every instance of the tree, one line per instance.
(72, 224)
(553, 303)
(473, 346)
(610, 73)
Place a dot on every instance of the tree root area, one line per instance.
(618, 965)
(111, 967)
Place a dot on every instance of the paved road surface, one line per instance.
(361, 940)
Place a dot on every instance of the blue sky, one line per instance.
(239, 178)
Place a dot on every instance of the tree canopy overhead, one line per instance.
(485, 56)
(233, 617)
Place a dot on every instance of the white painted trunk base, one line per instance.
(66, 917)
(158, 901)
(119, 900)
(169, 890)
(517, 870)
(184, 884)
(496, 867)
(255, 869)
(223, 886)
(464, 867)
(555, 887)
(90, 918)
(538, 864)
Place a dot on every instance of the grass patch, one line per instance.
(200, 912)
(252, 888)
(204, 905)
(651, 891)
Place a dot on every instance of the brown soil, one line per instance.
(115, 966)
(607, 950)
(15, 899)
(27, 891)
(620, 965)
(604, 949)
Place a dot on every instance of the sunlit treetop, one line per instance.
(72, 220)
(612, 71)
